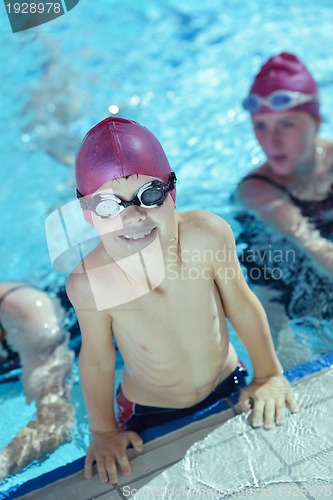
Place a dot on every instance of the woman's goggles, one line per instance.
(279, 100)
(150, 195)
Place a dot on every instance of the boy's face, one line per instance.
(135, 227)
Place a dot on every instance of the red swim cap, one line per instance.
(286, 72)
(115, 148)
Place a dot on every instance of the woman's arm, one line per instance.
(275, 208)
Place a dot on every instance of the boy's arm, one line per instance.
(97, 375)
(269, 390)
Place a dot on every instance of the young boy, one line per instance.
(162, 283)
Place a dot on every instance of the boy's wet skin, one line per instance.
(171, 332)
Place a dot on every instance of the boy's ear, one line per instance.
(87, 214)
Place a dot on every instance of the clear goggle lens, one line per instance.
(279, 100)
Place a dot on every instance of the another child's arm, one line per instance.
(269, 390)
(97, 374)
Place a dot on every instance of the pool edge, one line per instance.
(292, 375)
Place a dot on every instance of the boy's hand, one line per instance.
(269, 397)
(108, 449)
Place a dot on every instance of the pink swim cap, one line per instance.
(115, 148)
(286, 72)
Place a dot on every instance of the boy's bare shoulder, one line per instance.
(78, 287)
(202, 224)
(258, 193)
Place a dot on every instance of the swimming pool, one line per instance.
(182, 69)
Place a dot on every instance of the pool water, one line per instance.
(180, 68)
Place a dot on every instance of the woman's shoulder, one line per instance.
(325, 146)
(326, 143)
(258, 176)
(259, 187)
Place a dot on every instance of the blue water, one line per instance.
(179, 67)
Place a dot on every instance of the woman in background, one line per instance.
(288, 227)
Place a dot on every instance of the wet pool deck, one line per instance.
(166, 451)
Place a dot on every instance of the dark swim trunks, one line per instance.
(138, 418)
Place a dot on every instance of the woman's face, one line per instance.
(287, 138)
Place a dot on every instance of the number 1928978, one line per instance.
(34, 8)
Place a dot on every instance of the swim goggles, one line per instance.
(150, 195)
(279, 100)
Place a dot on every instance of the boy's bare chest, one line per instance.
(171, 312)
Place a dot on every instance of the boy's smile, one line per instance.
(138, 235)
(135, 227)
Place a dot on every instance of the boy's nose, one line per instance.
(133, 214)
